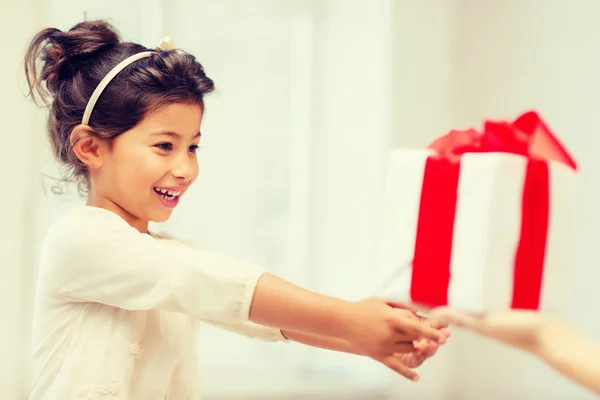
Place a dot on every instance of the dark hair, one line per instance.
(75, 61)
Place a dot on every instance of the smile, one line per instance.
(167, 194)
(169, 198)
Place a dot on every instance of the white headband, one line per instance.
(164, 45)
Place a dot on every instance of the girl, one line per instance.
(116, 305)
(556, 343)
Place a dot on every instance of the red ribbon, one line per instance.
(528, 136)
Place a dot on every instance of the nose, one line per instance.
(185, 167)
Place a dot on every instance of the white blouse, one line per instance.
(116, 310)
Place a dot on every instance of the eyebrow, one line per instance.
(174, 134)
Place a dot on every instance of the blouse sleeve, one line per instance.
(253, 331)
(246, 328)
(98, 257)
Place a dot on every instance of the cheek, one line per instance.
(150, 172)
(140, 171)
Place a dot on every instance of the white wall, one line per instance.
(464, 61)
(17, 153)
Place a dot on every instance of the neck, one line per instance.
(94, 200)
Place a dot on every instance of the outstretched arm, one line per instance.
(571, 354)
(411, 355)
(322, 342)
(114, 264)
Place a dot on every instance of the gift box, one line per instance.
(481, 221)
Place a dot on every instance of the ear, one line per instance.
(89, 148)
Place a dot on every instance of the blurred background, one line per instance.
(311, 96)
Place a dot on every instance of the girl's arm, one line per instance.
(94, 256)
(291, 308)
(411, 357)
(322, 342)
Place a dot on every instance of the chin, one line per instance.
(160, 217)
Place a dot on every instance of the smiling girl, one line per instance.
(117, 306)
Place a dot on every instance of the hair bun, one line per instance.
(67, 52)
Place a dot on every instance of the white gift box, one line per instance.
(490, 264)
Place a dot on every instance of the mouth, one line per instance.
(169, 197)
(167, 194)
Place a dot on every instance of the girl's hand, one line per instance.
(423, 349)
(382, 330)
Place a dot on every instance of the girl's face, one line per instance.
(147, 169)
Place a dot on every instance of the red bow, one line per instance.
(528, 136)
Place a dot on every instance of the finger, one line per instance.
(441, 315)
(428, 349)
(404, 347)
(416, 328)
(404, 305)
(436, 324)
(446, 316)
(441, 326)
(445, 332)
(410, 360)
(453, 317)
(396, 365)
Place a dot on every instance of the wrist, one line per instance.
(550, 335)
(323, 342)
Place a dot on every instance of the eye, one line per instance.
(165, 146)
(193, 148)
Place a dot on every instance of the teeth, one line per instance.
(169, 194)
